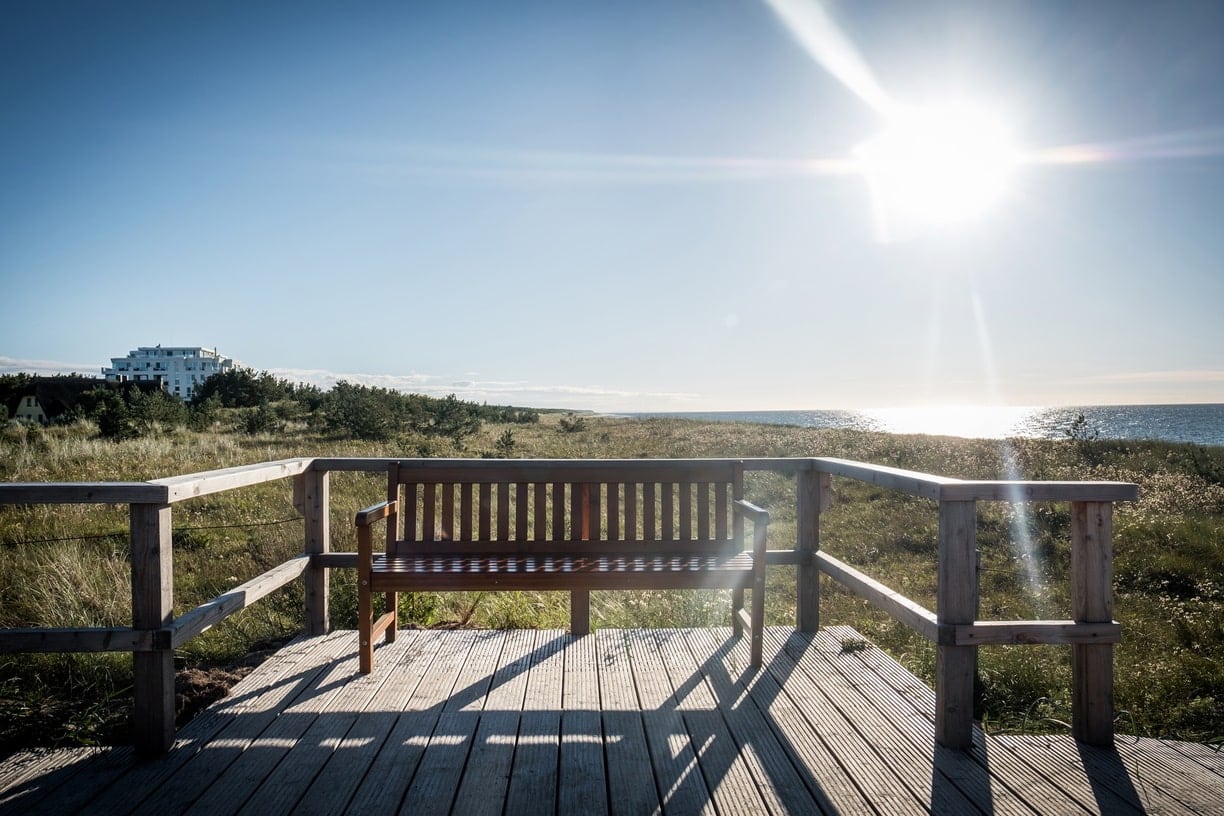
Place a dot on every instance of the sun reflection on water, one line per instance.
(970, 421)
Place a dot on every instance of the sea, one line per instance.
(1199, 424)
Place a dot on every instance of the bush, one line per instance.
(242, 388)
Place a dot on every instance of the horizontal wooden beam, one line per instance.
(98, 639)
(82, 493)
(192, 485)
(334, 560)
(912, 614)
(905, 481)
(1040, 491)
(781, 464)
(941, 488)
(1006, 633)
(240, 597)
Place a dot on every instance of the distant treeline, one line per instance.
(254, 402)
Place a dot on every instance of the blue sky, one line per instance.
(615, 206)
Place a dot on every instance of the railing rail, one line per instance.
(155, 632)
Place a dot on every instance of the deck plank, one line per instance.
(260, 757)
(672, 756)
(836, 791)
(616, 722)
(335, 783)
(482, 789)
(897, 785)
(771, 758)
(534, 780)
(630, 777)
(395, 766)
(909, 735)
(583, 783)
(727, 772)
(201, 759)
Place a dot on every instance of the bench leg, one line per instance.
(758, 618)
(580, 612)
(737, 603)
(365, 627)
(393, 608)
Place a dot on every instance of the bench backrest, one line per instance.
(541, 506)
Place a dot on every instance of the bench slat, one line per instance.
(521, 513)
(429, 511)
(631, 516)
(650, 532)
(503, 511)
(448, 509)
(409, 510)
(720, 510)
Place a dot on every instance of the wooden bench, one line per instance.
(572, 525)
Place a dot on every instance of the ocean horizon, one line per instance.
(1200, 424)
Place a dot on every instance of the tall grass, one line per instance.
(68, 565)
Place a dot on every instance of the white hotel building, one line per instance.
(178, 369)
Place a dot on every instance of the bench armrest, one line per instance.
(365, 547)
(760, 528)
(751, 511)
(376, 512)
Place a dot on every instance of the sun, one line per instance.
(937, 166)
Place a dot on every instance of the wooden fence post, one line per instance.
(316, 508)
(812, 493)
(956, 603)
(1092, 709)
(152, 608)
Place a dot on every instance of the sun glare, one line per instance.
(936, 166)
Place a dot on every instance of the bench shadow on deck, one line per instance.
(622, 721)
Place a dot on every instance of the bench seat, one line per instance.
(476, 571)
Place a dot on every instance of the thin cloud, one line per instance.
(516, 392)
(1185, 375)
(47, 368)
(501, 392)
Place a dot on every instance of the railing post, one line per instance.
(580, 599)
(152, 608)
(957, 600)
(1092, 710)
(316, 508)
(812, 493)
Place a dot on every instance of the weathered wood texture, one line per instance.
(192, 485)
(956, 603)
(187, 626)
(1092, 602)
(315, 506)
(152, 609)
(621, 722)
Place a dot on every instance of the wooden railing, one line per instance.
(155, 632)
(954, 627)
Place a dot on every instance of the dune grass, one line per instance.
(67, 565)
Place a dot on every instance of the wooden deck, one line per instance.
(619, 722)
